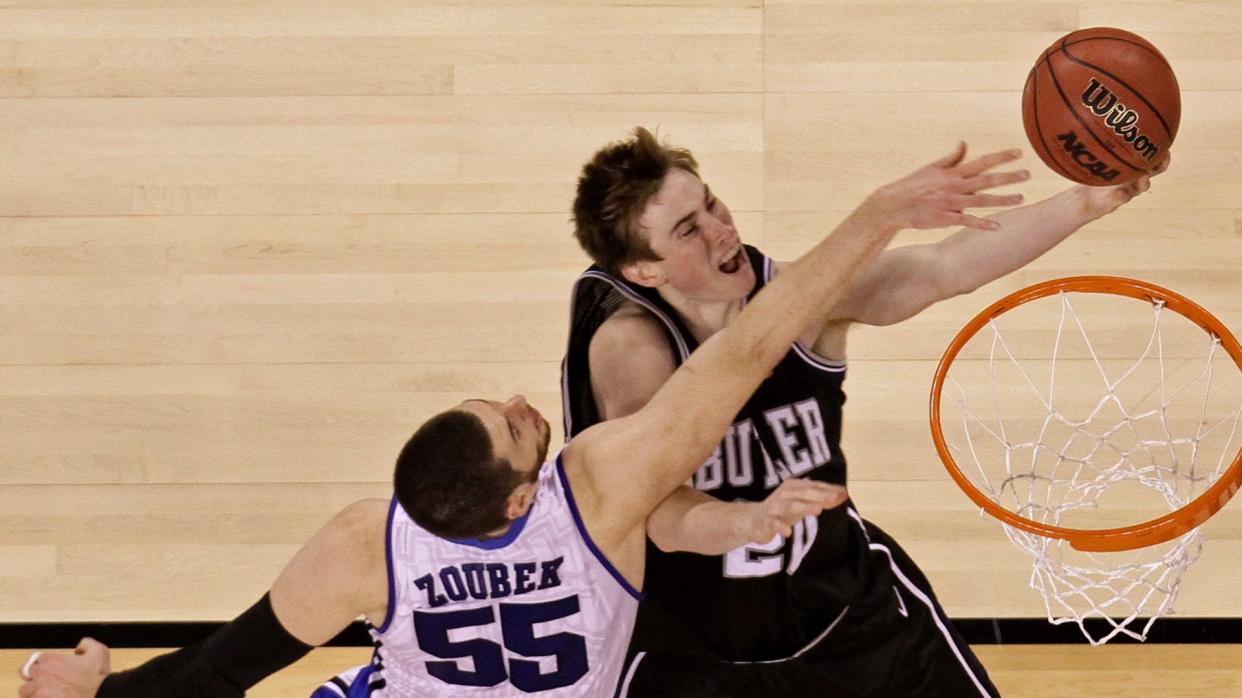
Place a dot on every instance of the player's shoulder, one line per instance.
(631, 339)
(629, 327)
(361, 521)
(630, 358)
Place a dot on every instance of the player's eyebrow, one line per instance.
(684, 219)
(707, 193)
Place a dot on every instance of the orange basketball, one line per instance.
(1101, 106)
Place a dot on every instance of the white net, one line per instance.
(1091, 418)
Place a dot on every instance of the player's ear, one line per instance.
(520, 500)
(644, 272)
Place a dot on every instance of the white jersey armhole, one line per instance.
(388, 558)
(586, 536)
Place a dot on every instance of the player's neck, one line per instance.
(498, 533)
(702, 318)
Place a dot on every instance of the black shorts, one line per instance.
(905, 648)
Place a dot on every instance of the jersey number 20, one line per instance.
(767, 559)
(517, 622)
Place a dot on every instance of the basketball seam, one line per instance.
(1056, 164)
(1167, 131)
(1148, 49)
(1069, 105)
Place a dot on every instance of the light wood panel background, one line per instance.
(246, 247)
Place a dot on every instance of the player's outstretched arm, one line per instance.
(905, 280)
(338, 575)
(691, 521)
(638, 460)
(629, 363)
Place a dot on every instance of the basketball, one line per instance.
(1101, 106)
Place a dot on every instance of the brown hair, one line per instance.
(450, 482)
(613, 190)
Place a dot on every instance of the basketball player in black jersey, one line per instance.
(834, 607)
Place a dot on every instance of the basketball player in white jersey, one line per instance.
(493, 572)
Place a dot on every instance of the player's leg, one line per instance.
(936, 661)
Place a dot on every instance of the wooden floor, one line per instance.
(1019, 671)
(238, 239)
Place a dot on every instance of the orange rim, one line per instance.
(1153, 532)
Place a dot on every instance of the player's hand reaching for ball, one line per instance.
(792, 501)
(938, 195)
(55, 675)
(1101, 201)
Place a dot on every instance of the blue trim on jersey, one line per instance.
(355, 683)
(586, 537)
(392, 579)
(515, 529)
(362, 685)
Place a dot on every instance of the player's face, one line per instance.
(518, 432)
(693, 233)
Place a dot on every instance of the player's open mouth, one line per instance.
(733, 262)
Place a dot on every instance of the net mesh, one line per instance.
(1092, 439)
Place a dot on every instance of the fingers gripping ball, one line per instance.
(1101, 106)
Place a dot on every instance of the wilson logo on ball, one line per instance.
(1077, 150)
(1120, 118)
(1101, 106)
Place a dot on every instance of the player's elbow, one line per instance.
(666, 543)
(957, 269)
(958, 282)
(662, 534)
(913, 298)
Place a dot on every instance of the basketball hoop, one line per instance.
(1072, 419)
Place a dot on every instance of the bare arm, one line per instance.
(695, 522)
(904, 281)
(630, 360)
(338, 575)
(676, 430)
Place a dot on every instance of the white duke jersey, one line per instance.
(537, 611)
